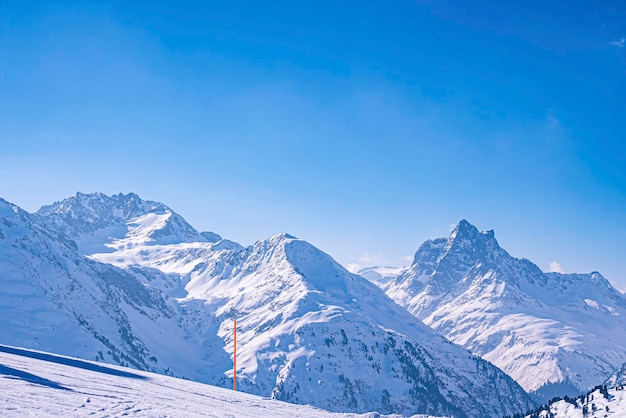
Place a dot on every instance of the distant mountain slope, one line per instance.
(308, 330)
(41, 384)
(553, 333)
(381, 276)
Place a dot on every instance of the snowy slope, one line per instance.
(597, 403)
(553, 333)
(55, 299)
(51, 297)
(618, 378)
(34, 383)
(308, 330)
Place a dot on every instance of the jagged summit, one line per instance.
(281, 238)
(439, 264)
(466, 236)
(92, 206)
(98, 222)
(549, 331)
(464, 228)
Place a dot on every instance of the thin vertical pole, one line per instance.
(235, 356)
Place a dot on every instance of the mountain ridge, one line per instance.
(100, 222)
(308, 330)
(549, 331)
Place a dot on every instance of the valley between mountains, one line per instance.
(465, 331)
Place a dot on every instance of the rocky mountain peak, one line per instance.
(95, 219)
(465, 235)
(464, 229)
(92, 206)
(554, 333)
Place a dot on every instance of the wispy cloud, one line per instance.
(620, 43)
(555, 267)
(353, 267)
(551, 120)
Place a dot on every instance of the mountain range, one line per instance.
(555, 334)
(122, 280)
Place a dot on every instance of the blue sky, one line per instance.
(362, 127)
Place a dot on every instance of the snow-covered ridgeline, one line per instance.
(554, 333)
(309, 331)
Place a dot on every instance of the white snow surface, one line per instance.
(34, 383)
(309, 332)
(553, 333)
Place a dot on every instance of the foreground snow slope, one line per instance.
(47, 385)
(553, 333)
(309, 331)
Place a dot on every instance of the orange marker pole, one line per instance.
(235, 356)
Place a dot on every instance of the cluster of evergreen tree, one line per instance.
(582, 401)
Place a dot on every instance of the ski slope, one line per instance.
(34, 383)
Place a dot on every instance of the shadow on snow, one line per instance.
(65, 361)
(9, 371)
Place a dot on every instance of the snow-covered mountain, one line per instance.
(52, 297)
(553, 333)
(308, 330)
(97, 222)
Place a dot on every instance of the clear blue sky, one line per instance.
(362, 127)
